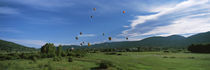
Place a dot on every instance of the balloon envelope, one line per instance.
(110, 38)
(89, 44)
(123, 12)
(94, 9)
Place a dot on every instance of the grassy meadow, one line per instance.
(119, 61)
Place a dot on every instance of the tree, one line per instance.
(48, 49)
(199, 48)
(59, 50)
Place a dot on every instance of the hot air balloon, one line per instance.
(89, 44)
(81, 44)
(110, 38)
(94, 9)
(72, 48)
(80, 33)
(123, 12)
(76, 38)
(91, 16)
(103, 34)
(126, 38)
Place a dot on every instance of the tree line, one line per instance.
(199, 48)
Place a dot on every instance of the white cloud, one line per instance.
(45, 4)
(126, 26)
(9, 29)
(87, 35)
(184, 25)
(8, 10)
(187, 17)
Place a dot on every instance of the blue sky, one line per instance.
(36, 22)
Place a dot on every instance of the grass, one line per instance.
(126, 61)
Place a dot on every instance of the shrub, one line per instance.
(14, 55)
(119, 54)
(191, 57)
(70, 59)
(43, 55)
(111, 53)
(63, 54)
(57, 59)
(34, 58)
(165, 57)
(104, 64)
(30, 62)
(23, 56)
(166, 51)
(71, 54)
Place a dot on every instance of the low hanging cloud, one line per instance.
(184, 18)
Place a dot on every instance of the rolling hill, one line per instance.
(10, 46)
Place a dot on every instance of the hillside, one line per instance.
(10, 46)
(199, 38)
(174, 41)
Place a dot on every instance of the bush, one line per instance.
(6, 57)
(191, 57)
(14, 55)
(43, 55)
(104, 64)
(166, 51)
(119, 54)
(71, 54)
(24, 56)
(111, 53)
(70, 59)
(165, 57)
(57, 59)
(34, 58)
(63, 54)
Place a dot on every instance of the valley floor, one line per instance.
(125, 61)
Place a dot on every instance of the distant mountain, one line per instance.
(174, 41)
(199, 38)
(10, 46)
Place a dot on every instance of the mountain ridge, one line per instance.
(173, 41)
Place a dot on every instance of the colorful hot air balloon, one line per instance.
(110, 38)
(80, 33)
(123, 12)
(76, 38)
(94, 9)
(89, 44)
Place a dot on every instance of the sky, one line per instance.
(35, 22)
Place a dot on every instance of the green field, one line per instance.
(126, 61)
